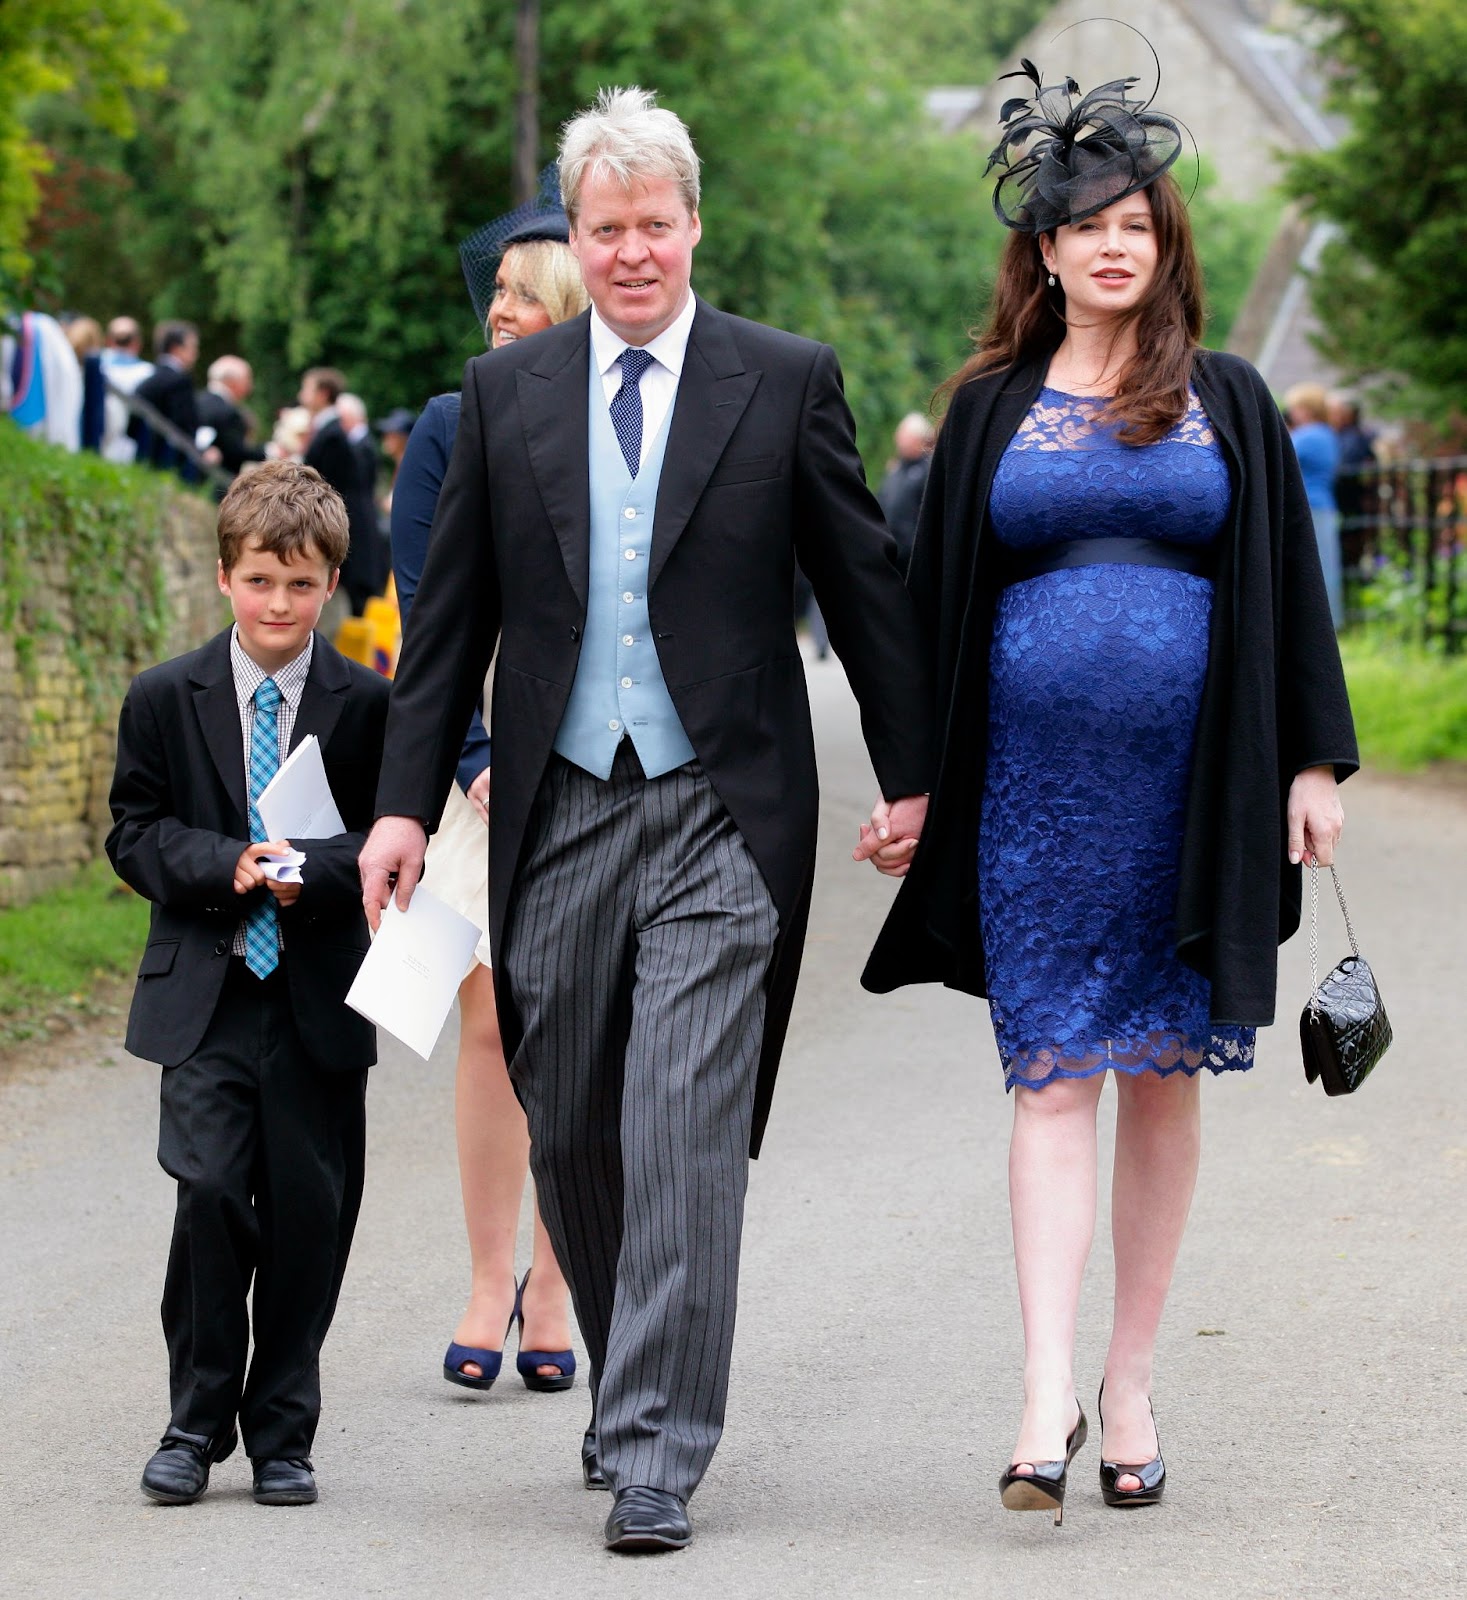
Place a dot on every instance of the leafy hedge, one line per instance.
(103, 517)
(1410, 707)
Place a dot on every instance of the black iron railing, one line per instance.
(1403, 538)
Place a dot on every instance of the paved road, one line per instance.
(1312, 1371)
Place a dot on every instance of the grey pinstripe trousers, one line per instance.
(637, 949)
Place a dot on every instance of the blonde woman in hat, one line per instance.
(522, 278)
(1146, 721)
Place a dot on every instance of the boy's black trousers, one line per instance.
(268, 1153)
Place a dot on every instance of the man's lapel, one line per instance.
(553, 397)
(712, 393)
(217, 709)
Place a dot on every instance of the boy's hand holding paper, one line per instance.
(250, 871)
(285, 867)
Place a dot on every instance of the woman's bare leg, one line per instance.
(1052, 1176)
(1158, 1148)
(493, 1159)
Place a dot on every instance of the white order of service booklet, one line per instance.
(412, 972)
(297, 802)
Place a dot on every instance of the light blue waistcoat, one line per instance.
(619, 689)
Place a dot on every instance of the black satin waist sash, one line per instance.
(1017, 565)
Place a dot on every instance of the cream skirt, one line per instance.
(457, 866)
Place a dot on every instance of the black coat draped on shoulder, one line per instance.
(1273, 702)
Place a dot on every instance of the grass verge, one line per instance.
(1410, 707)
(61, 957)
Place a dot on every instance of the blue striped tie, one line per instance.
(626, 406)
(262, 939)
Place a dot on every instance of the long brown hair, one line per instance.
(1026, 323)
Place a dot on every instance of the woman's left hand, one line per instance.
(478, 792)
(1315, 817)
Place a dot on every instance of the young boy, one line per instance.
(240, 993)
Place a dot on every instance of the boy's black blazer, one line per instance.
(179, 824)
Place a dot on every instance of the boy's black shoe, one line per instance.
(284, 1481)
(178, 1471)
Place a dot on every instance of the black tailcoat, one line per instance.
(1273, 701)
(760, 468)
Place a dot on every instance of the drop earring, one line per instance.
(1051, 280)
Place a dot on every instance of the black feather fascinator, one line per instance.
(1066, 156)
(480, 254)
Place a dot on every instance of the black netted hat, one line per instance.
(541, 218)
(1066, 156)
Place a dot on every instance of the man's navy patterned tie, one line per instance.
(626, 407)
(262, 939)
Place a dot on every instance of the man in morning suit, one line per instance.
(169, 389)
(221, 407)
(330, 452)
(351, 411)
(627, 497)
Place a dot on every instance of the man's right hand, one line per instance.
(393, 852)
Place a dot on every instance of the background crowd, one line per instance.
(89, 381)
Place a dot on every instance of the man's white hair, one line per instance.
(353, 407)
(625, 135)
(229, 369)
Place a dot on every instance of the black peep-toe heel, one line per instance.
(1150, 1475)
(1042, 1488)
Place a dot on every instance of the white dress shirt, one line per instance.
(659, 381)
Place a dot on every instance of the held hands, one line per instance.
(1315, 817)
(889, 840)
(393, 852)
(478, 792)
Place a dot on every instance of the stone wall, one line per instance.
(57, 744)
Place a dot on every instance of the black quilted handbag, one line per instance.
(1344, 1030)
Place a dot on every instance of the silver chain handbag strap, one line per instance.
(1314, 931)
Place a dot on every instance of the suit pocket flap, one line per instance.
(752, 469)
(158, 958)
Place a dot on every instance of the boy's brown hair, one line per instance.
(288, 510)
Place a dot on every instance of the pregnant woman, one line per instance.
(1145, 720)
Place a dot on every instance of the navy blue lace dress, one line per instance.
(1096, 679)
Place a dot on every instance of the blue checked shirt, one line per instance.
(291, 681)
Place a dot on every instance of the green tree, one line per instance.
(301, 190)
(91, 51)
(1389, 292)
(945, 41)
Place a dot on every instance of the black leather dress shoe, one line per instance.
(178, 1471)
(591, 1474)
(647, 1520)
(284, 1481)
